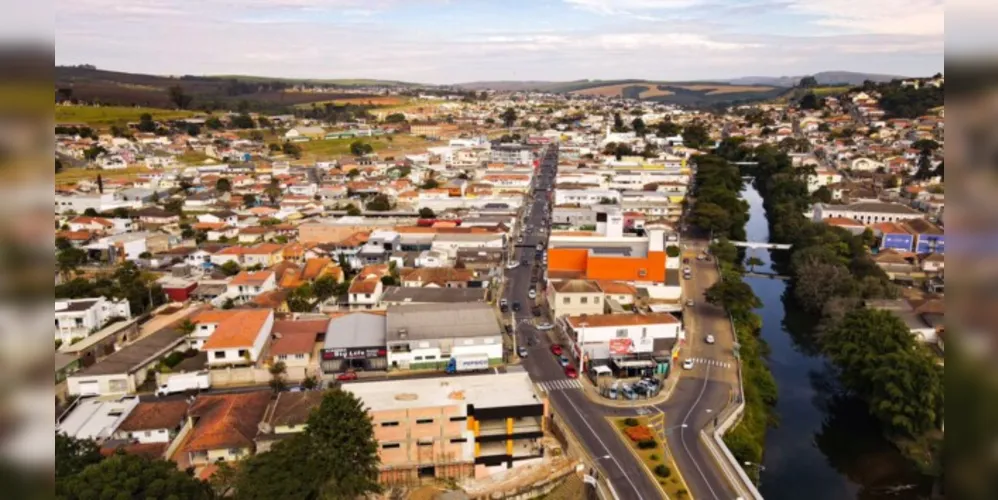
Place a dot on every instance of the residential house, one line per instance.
(235, 336)
(294, 342)
(154, 422)
(574, 297)
(248, 284)
(78, 318)
(223, 426)
(264, 255)
(440, 277)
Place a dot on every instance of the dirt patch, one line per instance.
(724, 89)
(606, 91)
(654, 91)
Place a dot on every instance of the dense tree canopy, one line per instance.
(125, 477)
(335, 457)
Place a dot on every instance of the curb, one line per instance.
(663, 396)
(651, 474)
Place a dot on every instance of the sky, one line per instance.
(453, 41)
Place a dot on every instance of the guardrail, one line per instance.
(728, 417)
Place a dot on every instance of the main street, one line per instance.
(699, 396)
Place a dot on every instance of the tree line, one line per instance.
(832, 276)
(719, 210)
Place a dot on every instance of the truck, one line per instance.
(183, 382)
(460, 363)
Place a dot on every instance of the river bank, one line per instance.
(826, 446)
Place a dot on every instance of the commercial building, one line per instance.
(626, 342)
(454, 427)
(867, 212)
(354, 341)
(427, 336)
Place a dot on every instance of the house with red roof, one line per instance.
(224, 426)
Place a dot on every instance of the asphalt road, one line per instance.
(699, 396)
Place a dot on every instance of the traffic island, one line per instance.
(646, 443)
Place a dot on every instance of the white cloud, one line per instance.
(611, 7)
(894, 17)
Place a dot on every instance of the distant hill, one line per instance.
(685, 93)
(90, 84)
(513, 85)
(823, 78)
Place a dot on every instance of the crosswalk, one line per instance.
(711, 362)
(560, 385)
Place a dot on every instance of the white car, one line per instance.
(688, 364)
(545, 326)
(710, 339)
(532, 294)
(689, 303)
(513, 265)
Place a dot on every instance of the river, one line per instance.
(825, 447)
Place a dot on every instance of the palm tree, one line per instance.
(752, 262)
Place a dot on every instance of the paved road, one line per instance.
(698, 397)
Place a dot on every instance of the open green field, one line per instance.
(113, 115)
(823, 91)
(330, 149)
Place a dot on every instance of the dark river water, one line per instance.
(826, 446)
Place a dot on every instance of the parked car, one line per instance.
(563, 360)
(651, 382)
(347, 375)
(516, 307)
(521, 351)
(570, 372)
(503, 305)
(556, 349)
(628, 392)
(689, 303)
(512, 265)
(532, 293)
(545, 326)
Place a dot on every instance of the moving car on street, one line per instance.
(688, 364)
(521, 351)
(347, 375)
(563, 360)
(513, 265)
(556, 349)
(570, 372)
(710, 339)
(503, 305)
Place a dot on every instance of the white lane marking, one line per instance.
(605, 448)
(703, 388)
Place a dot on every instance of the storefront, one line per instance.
(353, 358)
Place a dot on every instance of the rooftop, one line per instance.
(395, 294)
(135, 355)
(226, 421)
(434, 321)
(476, 390)
(608, 320)
(149, 415)
(356, 330)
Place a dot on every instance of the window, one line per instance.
(417, 358)
(282, 357)
(584, 300)
(390, 446)
(242, 352)
(148, 433)
(622, 333)
(459, 440)
(458, 419)
(425, 442)
(219, 354)
(299, 356)
(390, 424)
(567, 300)
(430, 358)
(424, 421)
(596, 299)
(367, 295)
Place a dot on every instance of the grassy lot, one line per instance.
(672, 483)
(71, 175)
(823, 91)
(105, 116)
(192, 158)
(330, 149)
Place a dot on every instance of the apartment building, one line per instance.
(79, 317)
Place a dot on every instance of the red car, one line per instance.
(347, 376)
(556, 349)
(570, 372)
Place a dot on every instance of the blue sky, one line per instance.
(450, 41)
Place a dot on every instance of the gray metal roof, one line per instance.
(134, 356)
(437, 321)
(355, 330)
(433, 295)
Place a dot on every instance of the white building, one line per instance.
(80, 317)
(585, 196)
(234, 337)
(428, 335)
(867, 212)
(600, 337)
(96, 419)
(101, 202)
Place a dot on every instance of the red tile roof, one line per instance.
(226, 420)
